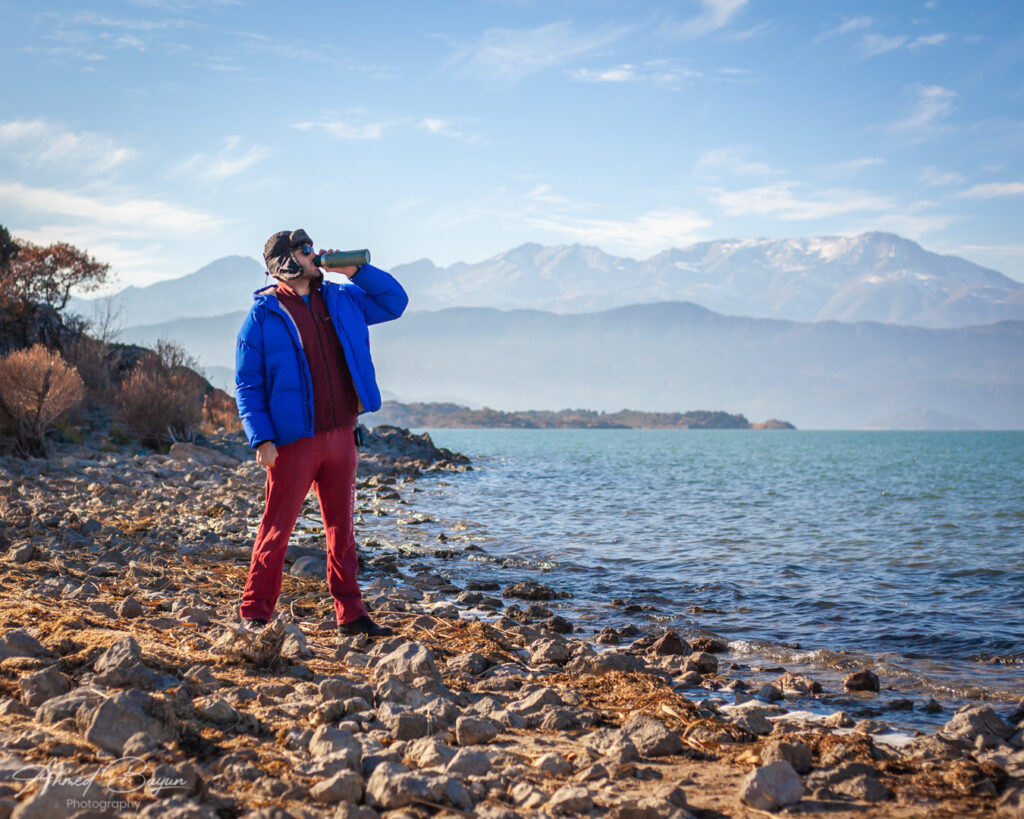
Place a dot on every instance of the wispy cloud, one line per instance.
(344, 129)
(229, 161)
(781, 200)
(452, 129)
(852, 165)
(152, 214)
(664, 72)
(933, 105)
(854, 24)
(647, 233)
(41, 143)
(714, 15)
(733, 160)
(511, 54)
(991, 190)
(929, 40)
(871, 45)
(938, 178)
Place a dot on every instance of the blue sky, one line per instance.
(162, 134)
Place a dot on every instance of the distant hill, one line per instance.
(455, 416)
(663, 356)
(874, 277)
(219, 287)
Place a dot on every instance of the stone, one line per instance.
(529, 590)
(178, 807)
(428, 752)
(612, 744)
(327, 740)
(571, 799)
(468, 762)
(385, 787)
(41, 686)
(140, 745)
(295, 646)
(603, 663)
(218, 712)
(535, 702)
(749, 716)
(168, 780)
(406, 725)
(19, 643)
(651, 737)
(863, 680)
(67, 705)
(863, 788)
(972, 721)
(475, 730)
(120, 666)
(840, 719)
(117, 719)
(553, 764)
(471, 662)
(549, 651)
(703, 662)
(772, 787)
(527, 796)
(671, 644)
(130, 608)
(261, 648)
(769, 693)
(23, 553)
(408, 662)
(309, 566)
(796, 754)
(798, 684)
(558, 624)
(59, 799)
(344, 786)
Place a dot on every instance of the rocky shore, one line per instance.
(128, 686)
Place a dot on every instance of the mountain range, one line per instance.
(873, 277)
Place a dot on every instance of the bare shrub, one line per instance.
(220, 411)
(36, 388)
(91, 357)
(162, 398)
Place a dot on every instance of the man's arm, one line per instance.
(250, 387)
(379, 294)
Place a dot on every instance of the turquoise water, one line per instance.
(824, 549)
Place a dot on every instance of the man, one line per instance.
(303, 374)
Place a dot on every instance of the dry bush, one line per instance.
(36, 388)
(162, 399)
(220, 410)
(91, 357)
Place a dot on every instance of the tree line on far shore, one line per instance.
(61, 375)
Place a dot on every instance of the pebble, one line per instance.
(772, 787)
(863, 680)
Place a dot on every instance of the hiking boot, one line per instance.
(364, 625)
(255, 624)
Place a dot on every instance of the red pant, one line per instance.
(328, 463)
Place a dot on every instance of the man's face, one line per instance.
(305, 260)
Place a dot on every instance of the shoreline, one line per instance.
(161, 556)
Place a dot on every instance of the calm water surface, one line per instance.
(824, 549)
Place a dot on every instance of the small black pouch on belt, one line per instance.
(360, 435)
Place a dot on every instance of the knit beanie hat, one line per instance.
(277, 253)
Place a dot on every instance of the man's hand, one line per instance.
(348, 272)
(266, 454)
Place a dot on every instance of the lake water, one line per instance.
(820, 551)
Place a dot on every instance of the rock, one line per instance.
(972, 721)
(863, 788)
(294, 646)
(703, 662)
(309, 566)
(526, 796)
(798, 684)
(605, 662)
(22, 553)
(796, 754)
(749, 716)
(768, 693)
(168, 780)
(218, 712)
(840, 719)
(328, 740)
(120, 666)
(549, 651)
(553, 764)
(613, 744)
(651, 737)
(571, 799)
(558, 624)
(529, 590)
(129, 608)
(41, 686)
(67, 705)
(468, 762)
(863, 680)
(475, 730)
(535, 702)
(472, 663)
(384, 788)
(428, 752)
(117, 719)
(344, 786)
(670, 643)
(901, 704)
(261, 648)
(183, 451)
(405, 725)
(772, 787)
(19, 643)
(13, 708)
(932, 706)
(409, 662)
(58, 799)
(140, 745)
(178, 807)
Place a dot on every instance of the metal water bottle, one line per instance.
(343, 258)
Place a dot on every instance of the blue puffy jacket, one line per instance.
(273, 386)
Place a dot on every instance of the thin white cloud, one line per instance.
(152, 214)
(781, 201)
(511, 54)
(855, 24)
(39, 143)
(929, 40)
(447, 128)
(621, 73)
(871, 45)
(227, 162)
(345, 130)
(933, 104)
(663, 72)
(646, 233)
(853, 165)
(732, 160)
(715, 15)
(938, 178)
(992, 190)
